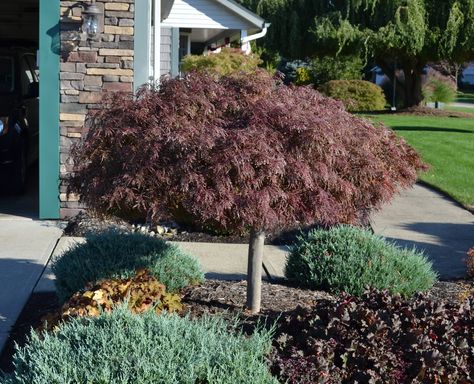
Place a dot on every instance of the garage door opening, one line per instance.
(19, 108)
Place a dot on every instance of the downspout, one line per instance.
(157, 40)
(259, 35)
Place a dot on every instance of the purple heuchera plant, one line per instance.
(378, 338)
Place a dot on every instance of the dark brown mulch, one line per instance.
(225, 298)
(85, 222)
(217, 297)
(425, 111)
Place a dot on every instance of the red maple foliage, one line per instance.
(238, 152)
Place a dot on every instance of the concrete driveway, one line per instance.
(25, 247)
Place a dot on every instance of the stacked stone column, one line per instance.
(89, 69)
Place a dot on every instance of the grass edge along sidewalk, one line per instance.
(447, 145)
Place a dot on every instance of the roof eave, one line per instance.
(243, 12)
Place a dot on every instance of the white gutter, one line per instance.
(259, 35)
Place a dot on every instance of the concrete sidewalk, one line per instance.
(429, 221)
(25, 248)
(461, 105)
(219, 261)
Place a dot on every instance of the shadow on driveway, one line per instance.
(444, 244)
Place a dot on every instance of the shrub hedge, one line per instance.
(228, 61)
(121, 347)
(116, 255)
(356, 95)
(350, 259)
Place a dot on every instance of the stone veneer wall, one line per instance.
(88, 69)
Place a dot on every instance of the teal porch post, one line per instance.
(142, 43)
(49, 51)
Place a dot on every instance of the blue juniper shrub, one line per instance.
(350, 259)
(118, 255)
(121, 347)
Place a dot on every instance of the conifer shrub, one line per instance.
(351, 259)
(228, 61)
(357, 95)
(127, 348)
(115, 255)
(378, 338)
(294, 71)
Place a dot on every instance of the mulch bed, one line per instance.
(224, 298)
(84, 223)
(425, 111)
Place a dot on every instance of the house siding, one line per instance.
(203, 14)
(166, 51)
(89, 69)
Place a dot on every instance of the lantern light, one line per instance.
(91, 19)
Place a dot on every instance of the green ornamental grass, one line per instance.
(123, 348)
(351, 260)
(117, 255)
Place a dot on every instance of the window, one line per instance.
(7, 74)
(28, 74)
(184, 46)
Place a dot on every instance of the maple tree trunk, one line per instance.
(254, 270)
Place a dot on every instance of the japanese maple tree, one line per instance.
(243, 153)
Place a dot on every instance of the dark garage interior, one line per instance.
(19, 108)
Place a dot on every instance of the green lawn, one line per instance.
(447, 145)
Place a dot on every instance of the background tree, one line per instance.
(243, 153)
(403, 33)
(450, 69)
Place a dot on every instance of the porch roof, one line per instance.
(215, 15)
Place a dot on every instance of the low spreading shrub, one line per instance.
(294, 71)
(357, 95)
(378, 338)
(303, 76)
(115, 255)
(350, 259)
(126, 348)
(229, 60)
